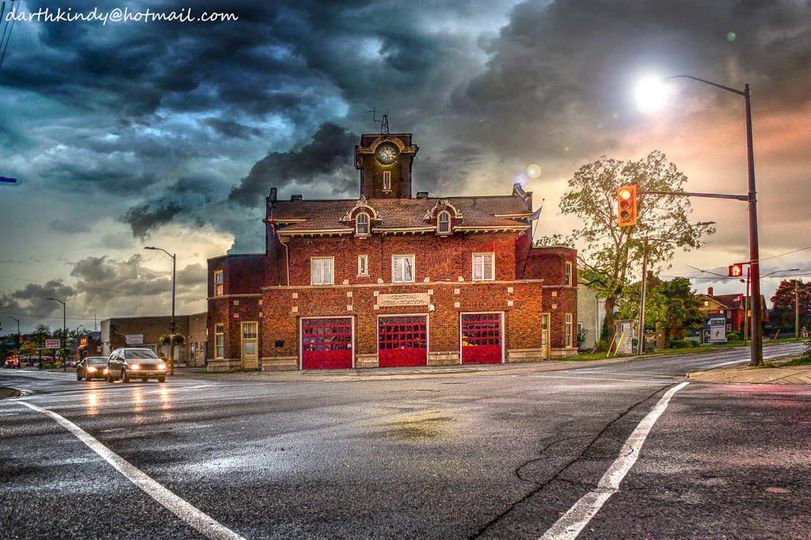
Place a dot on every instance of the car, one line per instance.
(92, 367)
(129, 363)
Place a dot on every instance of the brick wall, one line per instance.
(437, 258)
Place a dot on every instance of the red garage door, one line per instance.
(326, 343)
(402, 341)
(481, 338)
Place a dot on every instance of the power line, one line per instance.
(10, 28)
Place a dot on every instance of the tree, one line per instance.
(613, 253)
(783, 302)
(672, 307)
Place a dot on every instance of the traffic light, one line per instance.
(736, 270)
(626, 205)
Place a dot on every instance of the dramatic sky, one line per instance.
(133, 133)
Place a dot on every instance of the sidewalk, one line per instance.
(387, 374)
(780, 374)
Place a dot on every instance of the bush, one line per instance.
(681, 344)
(734, 336)
(602, 346)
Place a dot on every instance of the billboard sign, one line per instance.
(52, 343)
(134, 339)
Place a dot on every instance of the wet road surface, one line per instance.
(496, 455)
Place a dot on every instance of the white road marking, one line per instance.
(577, 517)
(202, 522)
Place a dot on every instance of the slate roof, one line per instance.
(325, 215)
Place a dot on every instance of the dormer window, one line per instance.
(362, 224)
(443, 222)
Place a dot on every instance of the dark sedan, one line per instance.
(92, 367)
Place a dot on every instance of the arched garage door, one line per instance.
(481, 338)
(326, 343)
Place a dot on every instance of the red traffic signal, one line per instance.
(626, 205)
(736, 270)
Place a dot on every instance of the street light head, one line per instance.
(651, 93)
(150, 247)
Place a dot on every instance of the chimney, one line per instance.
(296, 197)
(709, 291)
(422, 194)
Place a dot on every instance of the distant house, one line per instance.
(147, 331)
(731, 305)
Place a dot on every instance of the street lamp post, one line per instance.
(754, 250)
(64, 329)
(172, 320)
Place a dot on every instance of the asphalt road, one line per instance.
(499, 455)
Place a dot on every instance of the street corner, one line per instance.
(783, 373)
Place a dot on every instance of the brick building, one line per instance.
(146, 332)
(733, 306)
(390, 280)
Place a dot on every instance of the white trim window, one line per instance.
(402, 268)
(443, 222)
(386, 180)
(568, 328)
(219, 283)
(219, 340)
(484, 266)
(321, 270)
(567, 275)
(363, 265)
(362, 224)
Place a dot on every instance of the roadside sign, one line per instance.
(52, 343)
(736, 270)
(715, 331)
(134, 339)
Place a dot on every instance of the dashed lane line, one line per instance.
(202, 522)
(578, 516)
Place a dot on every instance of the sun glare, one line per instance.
(651, 92)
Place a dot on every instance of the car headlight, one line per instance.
(105, 371)
(161, 366)
(91, 369)
(135, 367)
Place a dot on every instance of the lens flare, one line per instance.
(533, 170)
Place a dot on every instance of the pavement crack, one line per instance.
(557, 476)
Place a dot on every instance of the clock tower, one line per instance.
(385, 161)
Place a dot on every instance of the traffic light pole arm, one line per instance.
(694, 194)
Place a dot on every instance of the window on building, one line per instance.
(362, 224)
(219, 341)
(443, 223)
(567, 276)
(569, 328)
(484, 266)
(402, 268)
(363, 265)
(386, 180)
(219, 285)
(321, 270)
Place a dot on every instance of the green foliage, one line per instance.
(176, 339)
(734, 336)
(683, 344)
(673, 308)
(614, 253)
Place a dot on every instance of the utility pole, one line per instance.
(64, 330)
(172, 327)
(797, 309)
(746, 310)
(641, 340)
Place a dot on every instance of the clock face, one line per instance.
(386, 153)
